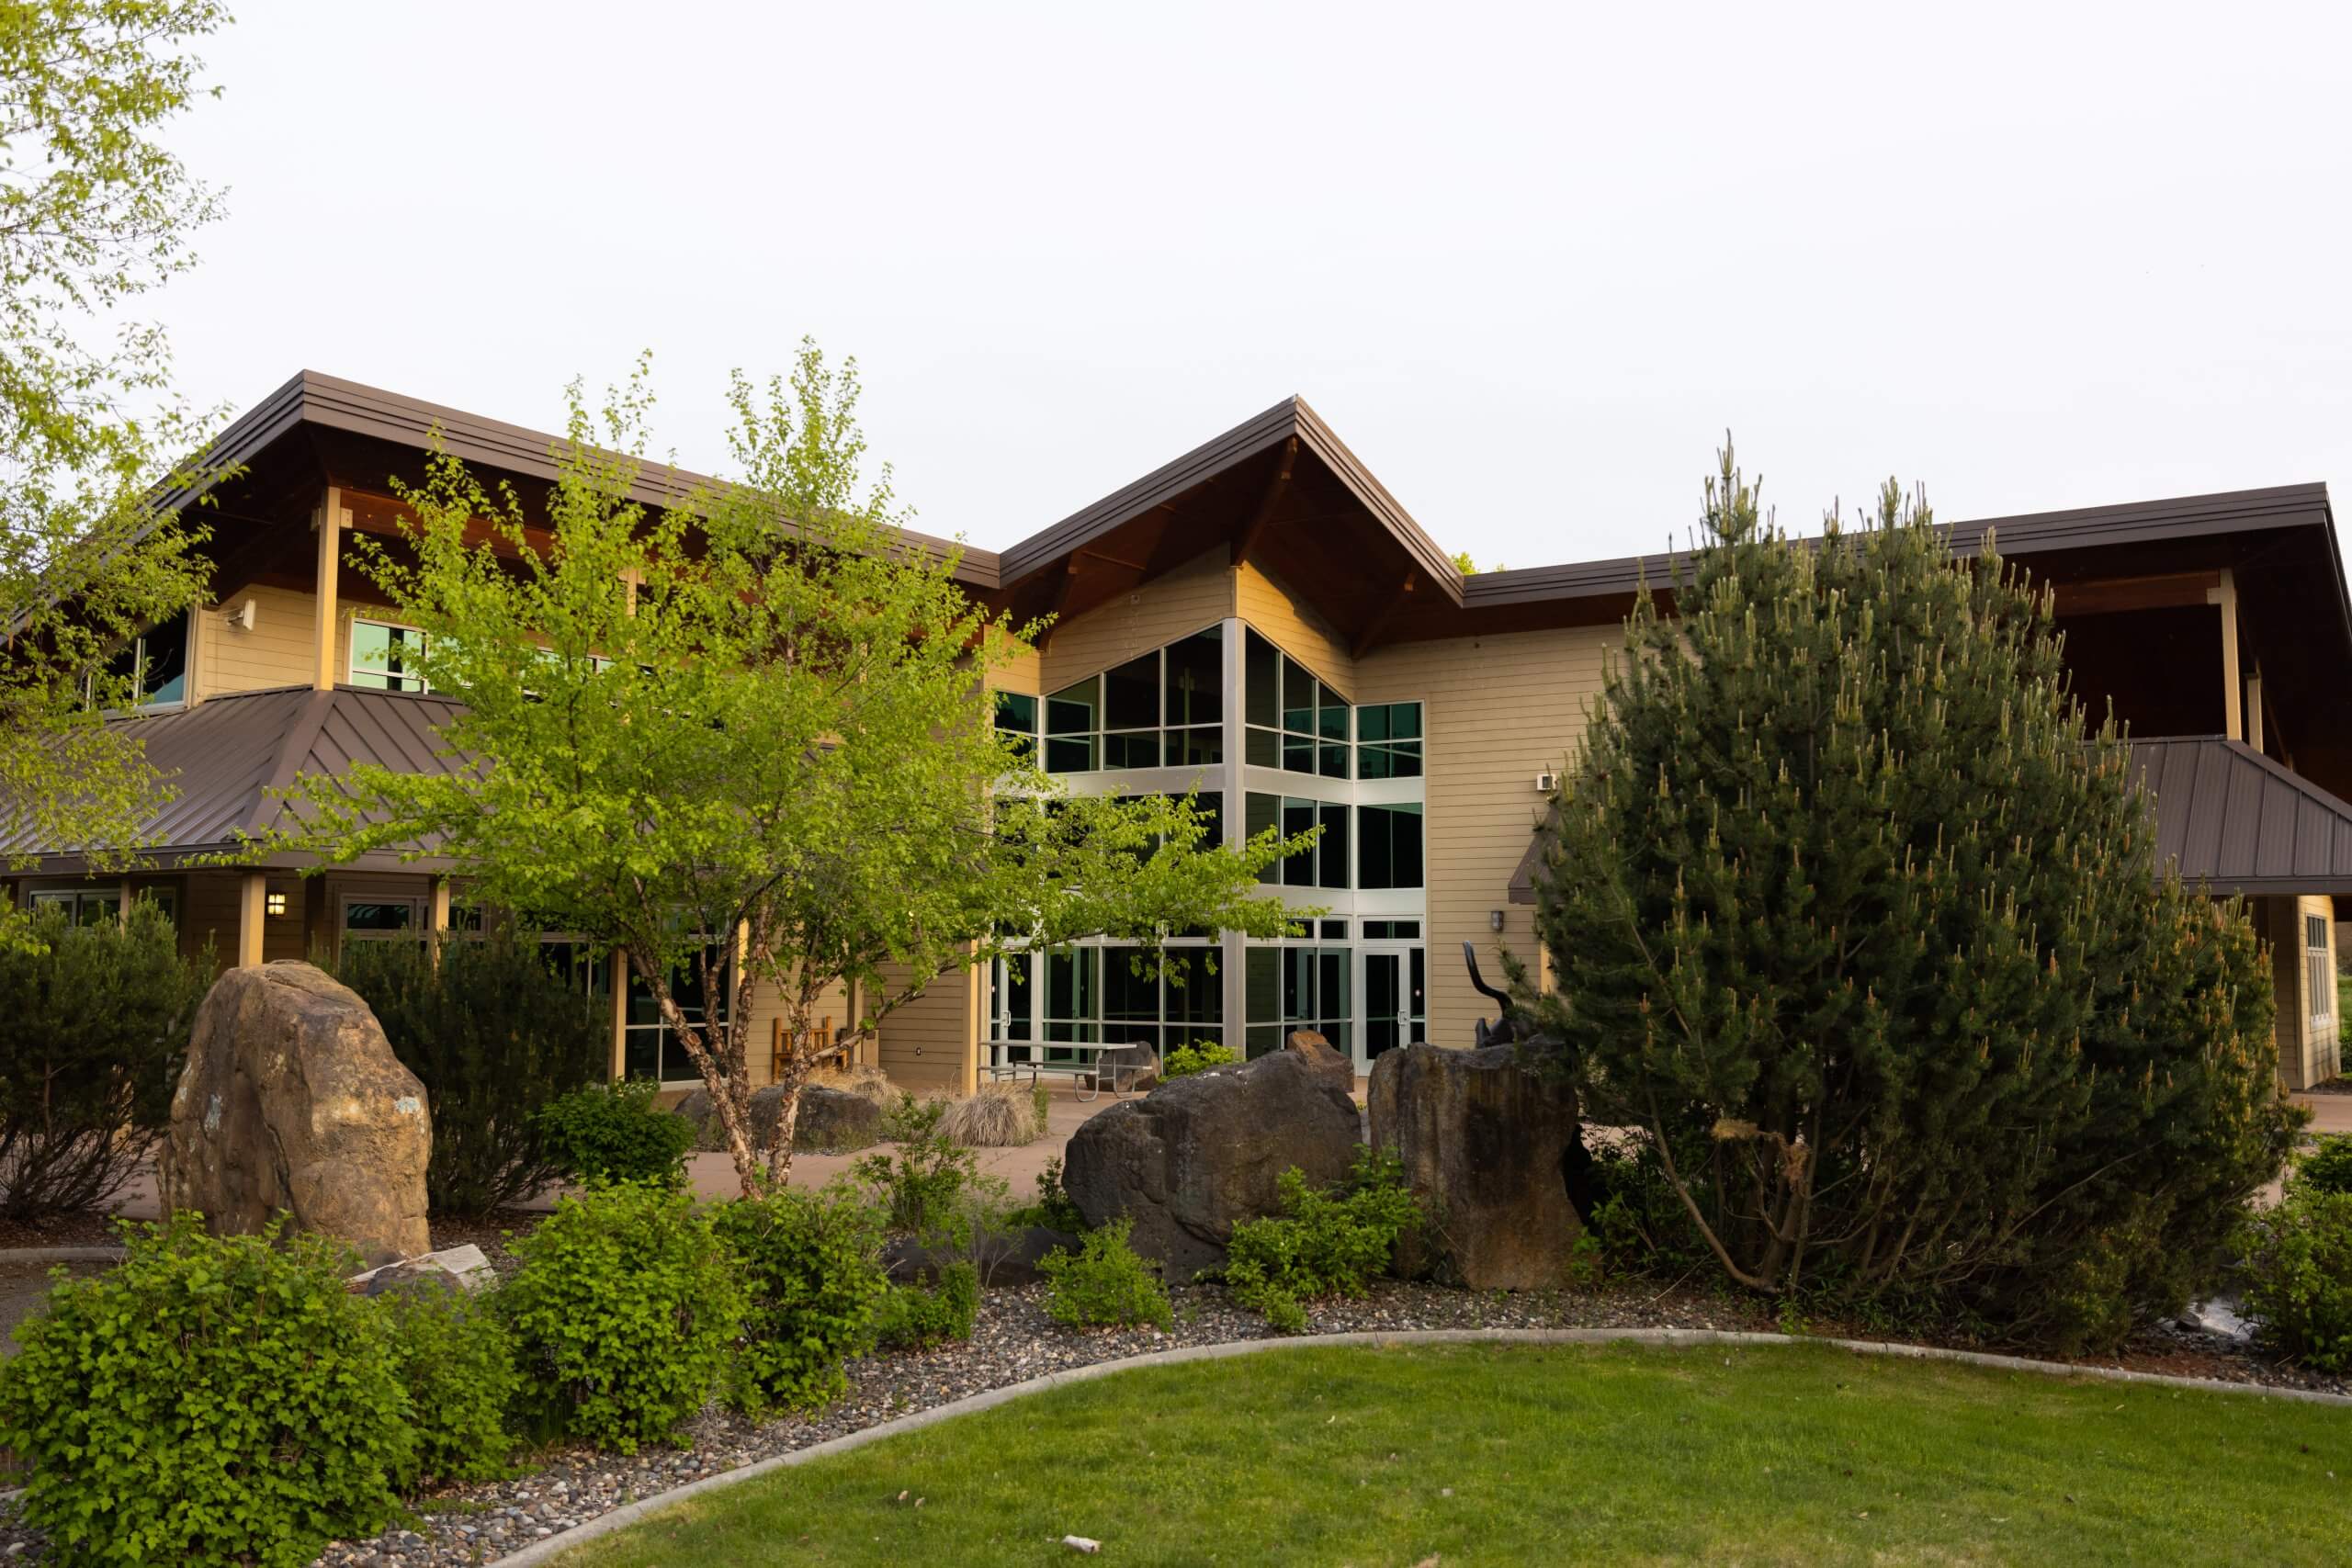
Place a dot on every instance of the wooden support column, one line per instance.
(253, 908)
(329, 522)
(2226, 595)
(621, 1013)
(436, 919)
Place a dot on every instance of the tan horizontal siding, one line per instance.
(1293, 627)
(929, 1045)
(279, 651)
(1192, 598)
(1496, 711)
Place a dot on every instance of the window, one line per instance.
(1388, 741)
(1102, 994)
(1164, 709)
(1073, 997)
(81, 905)
(1297, 723)
(1389, 852)
(2319, 974)
(1016, 721)
(1291, 988)
(153, 665)
(373, 919)
(1008, 994)
(383, 656)
(649, 1047)
(1392, 930)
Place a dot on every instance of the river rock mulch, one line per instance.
(1015, 1341)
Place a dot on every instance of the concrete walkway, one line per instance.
(2330, 1112)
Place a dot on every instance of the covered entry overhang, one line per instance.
(2228, 818)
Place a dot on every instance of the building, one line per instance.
(1260, 621)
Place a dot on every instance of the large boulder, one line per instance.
(1201, 1152)
(292, 1102)
(1486, 1147)
(1331, 1065)
(829, 1121)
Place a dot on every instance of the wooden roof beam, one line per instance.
(1382, 616)
(1248, 537)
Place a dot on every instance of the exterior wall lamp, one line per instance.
(1494, 918)
(274, 904)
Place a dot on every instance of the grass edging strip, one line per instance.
(546, 1551)
(62, 1254)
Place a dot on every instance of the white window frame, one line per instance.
(353, 668)
(2319, 972)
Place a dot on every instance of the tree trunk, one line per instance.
(731, 1094)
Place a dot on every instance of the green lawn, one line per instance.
(1510, 1454)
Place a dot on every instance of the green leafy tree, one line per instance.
(758, 718)
(1848, 913)
(95, 211)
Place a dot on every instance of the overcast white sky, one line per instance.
(1530, 261)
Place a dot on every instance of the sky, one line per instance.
(1532, 263)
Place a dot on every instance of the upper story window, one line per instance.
(1388, 741)
(383, 656)
(1165, 709)
(154, 664)
(1016, 720)
(1295, 722)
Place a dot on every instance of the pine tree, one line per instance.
(1850, 914)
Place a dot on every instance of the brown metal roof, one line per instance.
(223, 756)
(2228, 818)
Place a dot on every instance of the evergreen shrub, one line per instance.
(622, 1314)
(94, 1024)
(2326, 1166)
(494, 1035)
(212, 1400)
(1849, 912)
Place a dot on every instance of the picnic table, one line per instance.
(1122, 1076)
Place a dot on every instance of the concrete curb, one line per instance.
(62, 1255)
(546, 1551)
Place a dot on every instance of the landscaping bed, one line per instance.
(1014, 1341)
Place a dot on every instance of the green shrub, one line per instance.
(614, 1131)
(1053, 1207)
(451, 1350)
(94, 1021)
(1104, 1284)
(2328, 1167)
(1843, 889)
(809, 1263)
(209, 1401)
(920, 1182)
(916, 1318)
(2298, 1268)
(622, 1314)
(1185, 1060)
(1323, 1244)
(494, 1035)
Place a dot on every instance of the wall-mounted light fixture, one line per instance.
(274, 903)
(1494, 920)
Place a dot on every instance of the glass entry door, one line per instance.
(1395, 999)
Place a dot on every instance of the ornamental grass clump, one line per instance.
(212, 1400)
(810, 1265)
(622, 1314)
(1849, 912)
(1001, 1115)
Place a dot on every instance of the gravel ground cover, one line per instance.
(1015, 1341)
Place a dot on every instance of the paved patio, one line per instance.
(2330, 1112)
